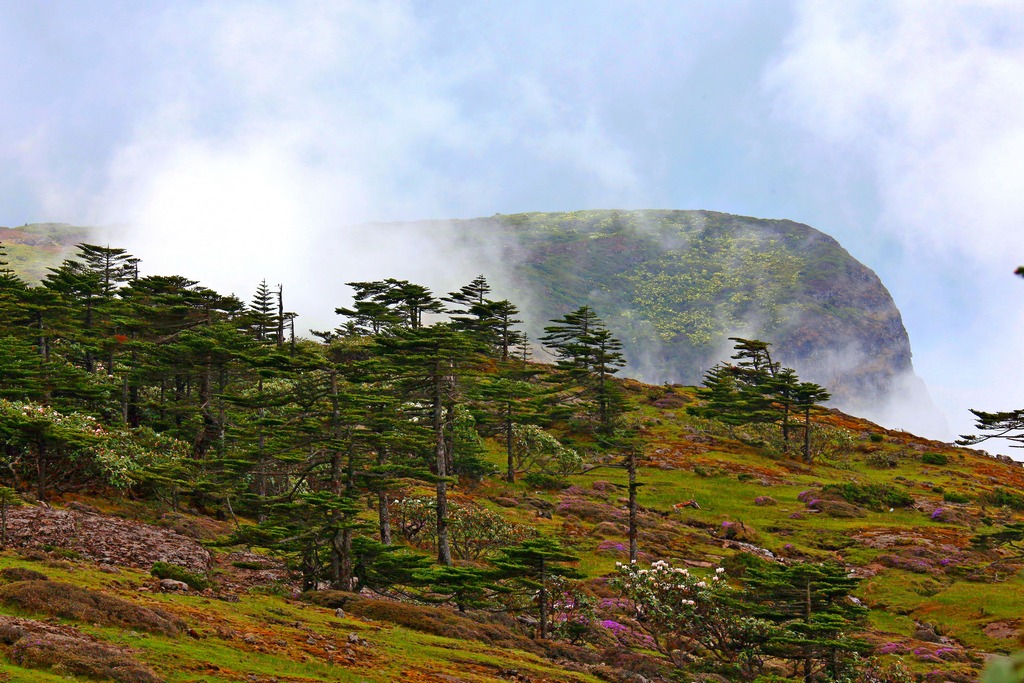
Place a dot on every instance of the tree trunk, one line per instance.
(41, 471)
(631, 466)
(510, 474)
(444, 552)
(542, 599)
(807, 436)
(383, 512)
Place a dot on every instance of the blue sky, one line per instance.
(897, 127)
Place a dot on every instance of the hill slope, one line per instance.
(895, 510)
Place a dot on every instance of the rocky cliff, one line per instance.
(674, 285)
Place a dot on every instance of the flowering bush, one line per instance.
(119, 457)
(689, 616)
(473, 530)
(572, 610)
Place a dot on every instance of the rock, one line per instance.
(927, 633)
(765, 500)
(173, 585)
(339, 613)
(1001, 630)
(354, 639)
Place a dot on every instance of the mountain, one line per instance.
(674, 285)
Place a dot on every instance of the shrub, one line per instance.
(473, 530)
(872, 496)
(1000, 497)
(72, 602)
(12, 574)
(437, 621)
(545, 482)
(79, 657)
(882, 459)
(876, 438)
(955, 497)
(166, 570)
(934, 459)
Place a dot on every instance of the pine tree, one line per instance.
(811, 604)
(589, 356)
(531, 565)
(429, 363)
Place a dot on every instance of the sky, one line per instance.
(244, 138)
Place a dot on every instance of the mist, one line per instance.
(233, 142)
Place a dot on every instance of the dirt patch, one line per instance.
(72, 602)
(68, 651)
(1002, 630)
(105, 539)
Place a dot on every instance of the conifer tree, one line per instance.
(589, 355)
(531, 565)
(811, 604)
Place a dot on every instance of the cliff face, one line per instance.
(674, 285)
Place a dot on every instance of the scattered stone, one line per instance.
(173, 585)
(339, 613)
(926, 633)
(103, 538)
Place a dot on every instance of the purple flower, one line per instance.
(613, 626)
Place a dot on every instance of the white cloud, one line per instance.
(927, 96)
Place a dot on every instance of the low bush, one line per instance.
(955, 497)
(12, 574)
(437, 621)
(72, 656)
(545, 482)
(934, 459)
(82, 604)
(872, 496)
(166, 570)
(882, 459)
(1000, 497)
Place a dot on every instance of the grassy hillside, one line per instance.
(32, 249)
(899, 512)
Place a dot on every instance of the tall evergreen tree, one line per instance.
(589, 355)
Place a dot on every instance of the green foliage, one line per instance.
(955, 497)
(872, 496)
(934, 459)
(1005, 670)
(166, 570)
(677, 608)
(474, 531)
(1001, 497)
(536, 451)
